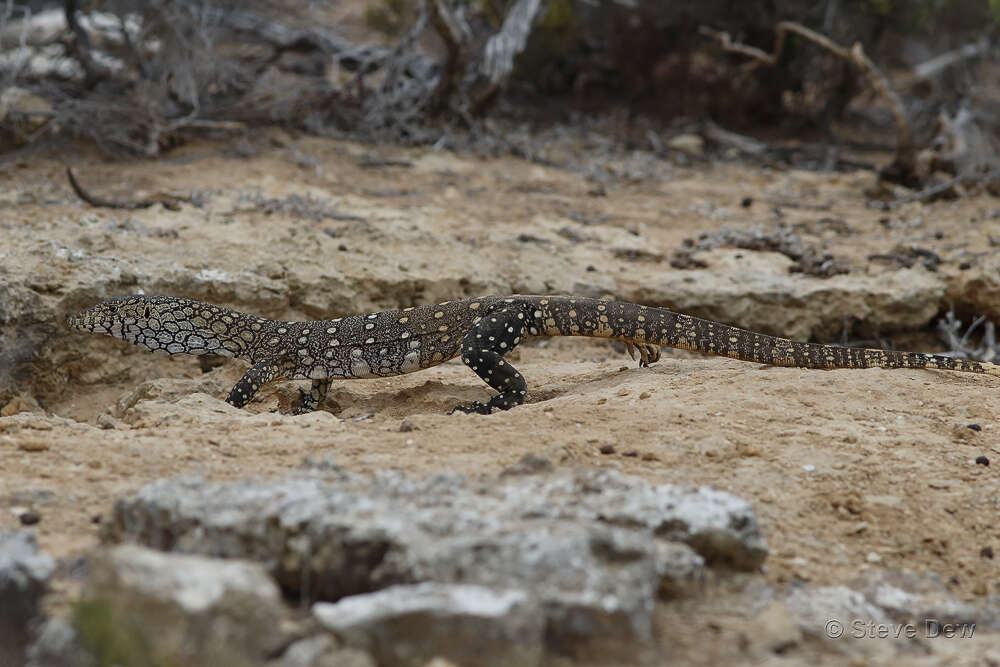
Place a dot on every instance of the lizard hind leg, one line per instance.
(310, 400)
(483, 348)
(648, 354)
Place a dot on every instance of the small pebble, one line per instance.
(982, 461)
(32, 445)
(29, 518)
(529, 464)
(986, 552)
(644, 395)
(406, 426)
(974, 427)
(607, 449)
(631, 452)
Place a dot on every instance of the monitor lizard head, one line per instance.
(172, 325)
(116, 317)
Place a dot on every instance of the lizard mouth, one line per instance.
(82, 321)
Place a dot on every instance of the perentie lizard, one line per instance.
(481, 330)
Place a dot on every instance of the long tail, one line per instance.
(644, 325)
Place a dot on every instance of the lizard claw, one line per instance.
(473, 408)
(307, 403)
(652, 354)
(648, 354)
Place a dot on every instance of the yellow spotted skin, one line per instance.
(481, 330)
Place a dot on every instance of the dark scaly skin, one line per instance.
(481, 330)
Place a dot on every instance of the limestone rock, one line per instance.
(979, 287)
(58, 645)
(912, 597)
(24, 573)
(406, 626)
(595, 548)
(179, 609)
(817, 608)
(689, 144)
(797, 306)
(24, 111)
(322, 651)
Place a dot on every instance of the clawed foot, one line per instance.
(309, 400)
(504, 401)
(474, 408)
(648, 354)
(307, 403)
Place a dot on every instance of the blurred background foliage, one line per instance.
(138, 77)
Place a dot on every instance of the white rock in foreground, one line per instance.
(404, 626)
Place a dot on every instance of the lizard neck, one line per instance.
(212, 329)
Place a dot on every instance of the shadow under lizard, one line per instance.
(480, 330)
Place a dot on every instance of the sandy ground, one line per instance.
(849, 470)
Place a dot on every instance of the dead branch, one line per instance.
(80, 45)
(903, 166)
(479, 82)
(738, 142)
(406, 89)
(283, 38)
(131, 49)
(932, 67)
(934, 190)
(170, 202)
(501, 49)
(454, 38)
(950, 328)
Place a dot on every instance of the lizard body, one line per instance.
(480, 330)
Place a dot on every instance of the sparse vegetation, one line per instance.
(139, 78)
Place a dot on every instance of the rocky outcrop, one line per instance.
(593, 549)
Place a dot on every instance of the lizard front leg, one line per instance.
(483, 348)
(259, 374)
